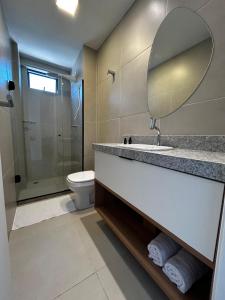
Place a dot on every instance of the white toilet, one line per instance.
(82, 184)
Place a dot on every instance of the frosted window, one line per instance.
(42, 83)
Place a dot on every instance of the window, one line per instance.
(41, 81)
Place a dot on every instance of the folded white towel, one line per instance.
(184, 270)
(162, 248)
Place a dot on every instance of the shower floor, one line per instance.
(43, 187)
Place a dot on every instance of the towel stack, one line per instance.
(161, 249)
(179, 266)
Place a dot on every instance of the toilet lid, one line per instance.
(82, 176)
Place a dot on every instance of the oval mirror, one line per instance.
(180, 57)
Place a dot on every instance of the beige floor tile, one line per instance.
(103, 244)
(122, 277)
(129, 282)
(90, 288)
(88, 235)
(49, 260)
(59, 258)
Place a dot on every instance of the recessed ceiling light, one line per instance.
(69, 6)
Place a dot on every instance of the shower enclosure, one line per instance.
(52, 118)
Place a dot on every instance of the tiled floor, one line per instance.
(76, 257)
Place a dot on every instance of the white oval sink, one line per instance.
(144, 147)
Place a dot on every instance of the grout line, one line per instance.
(125, 116)
(203, 6)
(136, 56)
(167, 5)
(129, 61)
(205, 101)
(104, 290)
(74, 286)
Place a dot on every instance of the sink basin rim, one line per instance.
(142, 147)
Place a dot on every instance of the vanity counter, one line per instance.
(210, 165)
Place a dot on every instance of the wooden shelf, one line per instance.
(135, 235)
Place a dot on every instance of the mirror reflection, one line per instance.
(180, 57)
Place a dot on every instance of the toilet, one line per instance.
(82, 184)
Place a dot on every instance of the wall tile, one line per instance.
(10, 196)
(89, 137)
(90, 64)
(136, 125)
(110, 98)
(193, 4)
(6, 142)
(139, 27)
(89, 162)
(134, 86)
(137, 31)
(87, 66)
(196, 119)
(213, 86)
(109, 54)
(6, 145)
(90, 105)
(109, 131)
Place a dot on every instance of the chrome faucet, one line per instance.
(153, 126)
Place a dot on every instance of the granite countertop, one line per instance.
(210, 165)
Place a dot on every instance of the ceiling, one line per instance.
(47, 33)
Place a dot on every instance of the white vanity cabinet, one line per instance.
(187, 206)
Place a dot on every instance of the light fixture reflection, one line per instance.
(180, 71)
(156, 8)
(69, 6)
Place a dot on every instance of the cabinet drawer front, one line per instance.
(187, 206)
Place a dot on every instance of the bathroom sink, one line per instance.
(144, 147)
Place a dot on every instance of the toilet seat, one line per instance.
(81, 179)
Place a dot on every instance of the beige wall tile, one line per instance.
(110, 98)
(213, 86)
(89, 162)
(205, 118)
(6, 142)
(137, 31)
(193, 4)
(10, 196)
(136, 125)
(134, 85)
(109, 54)
(109, 131)
(90, 64)
(86, 65)
(6, 145)
(90, 104)
(89, 137)
(139, 27)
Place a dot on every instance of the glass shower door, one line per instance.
(43, 143)
(53, 136)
